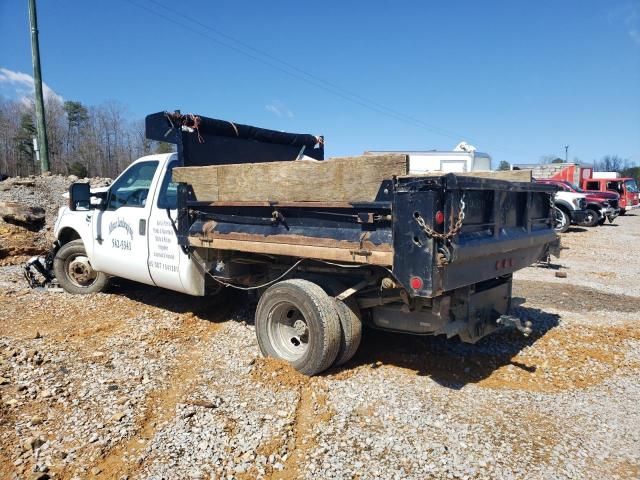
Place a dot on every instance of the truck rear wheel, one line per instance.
(351, 329)
(297, 321)
(74, 272)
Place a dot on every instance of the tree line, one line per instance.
(608, 163)
(83, 140)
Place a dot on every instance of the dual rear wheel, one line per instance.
(299, 322)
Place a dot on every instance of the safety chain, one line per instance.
(451, 233)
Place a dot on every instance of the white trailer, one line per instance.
(605, 175)
(463, 158)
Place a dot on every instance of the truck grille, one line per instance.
(613, 203)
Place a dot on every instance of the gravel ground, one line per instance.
(149, 384)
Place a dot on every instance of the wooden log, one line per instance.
(300, 251)
(509, 175)
(349, 179)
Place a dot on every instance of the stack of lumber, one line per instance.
(348, 179)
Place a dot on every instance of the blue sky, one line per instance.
(518, 79)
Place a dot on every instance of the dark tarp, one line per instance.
(210, 141)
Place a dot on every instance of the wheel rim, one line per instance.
(590, 217)
(288, 331)
(79, 271)
(561, 219)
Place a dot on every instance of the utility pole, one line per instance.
(37, 80)
(566, 154)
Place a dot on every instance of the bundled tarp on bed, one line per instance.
(209, 141)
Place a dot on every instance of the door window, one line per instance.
(132, 188)
(168, 197)
(615, 187)
(593, 185)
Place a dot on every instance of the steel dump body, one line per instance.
(507, 226)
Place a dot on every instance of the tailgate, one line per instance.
(507, 226)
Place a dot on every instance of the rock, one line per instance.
(72, 178)
(40, 476)
(561, 274)
(36, 420)
(93, 438)
(96, 471)
(117, 417)
(4, 381)
(37, 336)
(33, 443)
(14, 212)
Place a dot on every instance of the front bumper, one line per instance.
(610, 213)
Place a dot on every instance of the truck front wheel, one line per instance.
(562, 219)
(74, 272)
(591, 218)
(296, 321)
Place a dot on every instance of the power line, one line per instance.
(290, 69)
(334, 88)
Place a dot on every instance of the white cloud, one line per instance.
(628, 15)
(279, 108)
(22, 86)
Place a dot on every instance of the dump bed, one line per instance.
(505, 226)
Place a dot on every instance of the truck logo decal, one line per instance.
(121, 223)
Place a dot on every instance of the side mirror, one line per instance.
(79, 196)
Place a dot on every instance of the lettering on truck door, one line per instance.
(120, 230)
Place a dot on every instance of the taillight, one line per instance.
(416, 283)
(504, 263)
(439, 217)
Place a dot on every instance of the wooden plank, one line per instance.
(205, 185)
(349, 179)
(299, 251)
(509, 175)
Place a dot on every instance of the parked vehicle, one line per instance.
(626, 187)
(464, 158)
(584, 177)
(431, 255)
(570, 208)
(601, 206)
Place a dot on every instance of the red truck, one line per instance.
(626, 187)
(584, 177)
(601, 205)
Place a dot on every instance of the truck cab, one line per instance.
(131, 232)
(626, 187)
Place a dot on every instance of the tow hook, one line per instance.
(511, 321)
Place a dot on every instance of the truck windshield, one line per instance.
(576, 188)
(631, 186)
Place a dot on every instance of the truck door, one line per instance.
(121, 230)
(170, 267)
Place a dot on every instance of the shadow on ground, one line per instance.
(229, 304)
(451, 362)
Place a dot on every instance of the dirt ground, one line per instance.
(146, 383)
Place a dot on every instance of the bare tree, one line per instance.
(611, 163)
